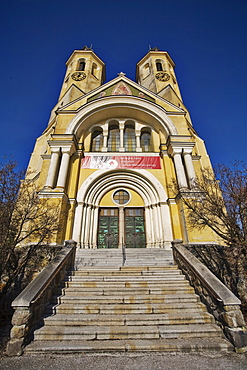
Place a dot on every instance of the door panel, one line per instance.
(108, 228)
(134, 228)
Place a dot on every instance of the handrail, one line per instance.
(220, 301)
(35, 289)
(214, 286)
(31, 303)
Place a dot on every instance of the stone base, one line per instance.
(238, 337)
(14, 347)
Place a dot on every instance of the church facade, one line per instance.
(111, 151)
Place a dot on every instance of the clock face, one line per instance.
(78, 76)
(162, 76)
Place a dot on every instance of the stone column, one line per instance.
(179, 167)
(76, 235)
(152, 228)
(95, 227)
(64, 166)
(166, 224)
(50, 180)
(105, 136)
(189, 166)
(87, 226)
(138, 141)
(121, 129)
(148, 227)
(83, 223)
(156, 226)
(121, 226)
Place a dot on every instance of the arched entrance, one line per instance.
(152, 220)
(121, 220)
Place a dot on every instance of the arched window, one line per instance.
(159, 66)
(113, 138)
(94, 69)
(146, 141)
(146, 70)
(81, 65)
(97, 140)
(129, 138)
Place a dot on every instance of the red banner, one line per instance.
(127, 161)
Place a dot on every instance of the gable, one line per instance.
(121, 88)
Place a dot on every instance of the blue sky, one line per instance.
(206, 39)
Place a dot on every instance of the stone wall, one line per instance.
(220, 301)
(228, 265)
(30, 305)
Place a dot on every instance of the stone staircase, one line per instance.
(146, 305)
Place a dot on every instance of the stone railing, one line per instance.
(31, 303)
(220, 301)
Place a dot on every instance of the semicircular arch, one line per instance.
(146, 185)
(106, 107)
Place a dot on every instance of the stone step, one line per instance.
(96, 286)
(113, 251)
(124, 273)
(114, 257)
(147, 268)
(125, 276)
(107, 256)
(141, 307)
(132, 303)
(122, 308)
(118, 263)
(139, 269)
(110, 319)
(126, 283)
(126, 332)
(138, 299)
(107, 281)
(138, 345)
(126, 288)
(169, 295)
(83, 293)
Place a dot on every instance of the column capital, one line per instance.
(63, 142)
(188, 148)
(68, 148)
(187, 151)
(180, 148)
(121, 124)
(55, 148)
(174, 150)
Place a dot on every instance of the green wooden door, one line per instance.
(134, 228)
(108, 228)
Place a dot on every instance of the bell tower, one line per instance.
(155, 71)
(85, 71)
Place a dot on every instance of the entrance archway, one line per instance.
(158, 233)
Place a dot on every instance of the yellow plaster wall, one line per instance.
(43, 173)
(181, 124)
(73, 176)
(62, 123)
(175, 221)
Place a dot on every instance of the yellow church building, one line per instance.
(111, 151)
